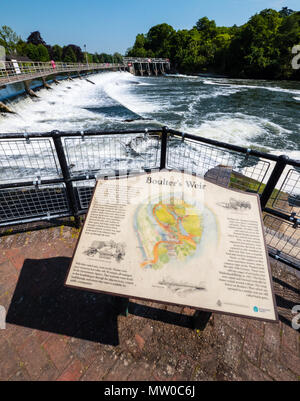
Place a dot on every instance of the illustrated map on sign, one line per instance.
(172, 230)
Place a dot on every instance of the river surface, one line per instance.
(258, 114)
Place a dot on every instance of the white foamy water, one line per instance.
(224, 82)
(119, 90)
(181, 76)
(70, 106)
(233, 111)
(236, 128)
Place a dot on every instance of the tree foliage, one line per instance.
(36, 49)
(261, 48)
(8, 39)
(43, 53)
(36, 39)
(57, 53)
(69, 55)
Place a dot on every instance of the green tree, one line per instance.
(69, 56)
(105, 58)
(43, 53)
(261, 48)
(57, 53)
(21, 48)
(32, 52)
(8, 39)
(95, 58)
(138, 49)
(207, 28)
(140, 41)
(89, 58)
(286, 12)
(254, 50)
(137, 52)
(158, 40)
(118, 58)
(287, 37)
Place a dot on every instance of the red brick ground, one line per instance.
(56, 333)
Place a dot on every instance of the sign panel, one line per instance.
(2, 58)
(16, 66)
(176, 238)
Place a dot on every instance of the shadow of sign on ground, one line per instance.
(42, 302)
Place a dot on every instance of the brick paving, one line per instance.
(57, 333)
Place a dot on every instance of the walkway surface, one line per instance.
(57, 333)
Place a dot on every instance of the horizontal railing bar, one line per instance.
(34, 219)
(70, 134)
(236, 148)
(11, 70)
(77, 178)
(284, 260)
(196, 138)
(31, 183)
(276, 213)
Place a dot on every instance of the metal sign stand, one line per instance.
(122, 306)
(200, 320)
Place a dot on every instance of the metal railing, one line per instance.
(14, 71)
(145, 60)
(49, 175)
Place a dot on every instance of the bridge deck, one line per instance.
(17, 71)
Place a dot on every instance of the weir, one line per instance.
(26, 72)
(147, 66)
(12, 72)
(17, 71)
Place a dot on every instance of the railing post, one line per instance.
(66, 175)
(163, 154)
(274, 178)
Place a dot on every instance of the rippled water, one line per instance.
(258, 114)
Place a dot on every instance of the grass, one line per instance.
(243, 183)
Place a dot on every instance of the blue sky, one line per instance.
(111, 25)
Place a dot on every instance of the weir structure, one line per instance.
(147, 66)
(20, 71)
(26, 71)
(46, 178)
(17, 71)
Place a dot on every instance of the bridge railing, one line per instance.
(44, 176)
(12, 70)
(145, 60)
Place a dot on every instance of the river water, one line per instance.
(258, 114)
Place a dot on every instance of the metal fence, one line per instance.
(49, 175)
(15, 71)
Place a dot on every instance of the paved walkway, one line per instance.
(57, 333)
